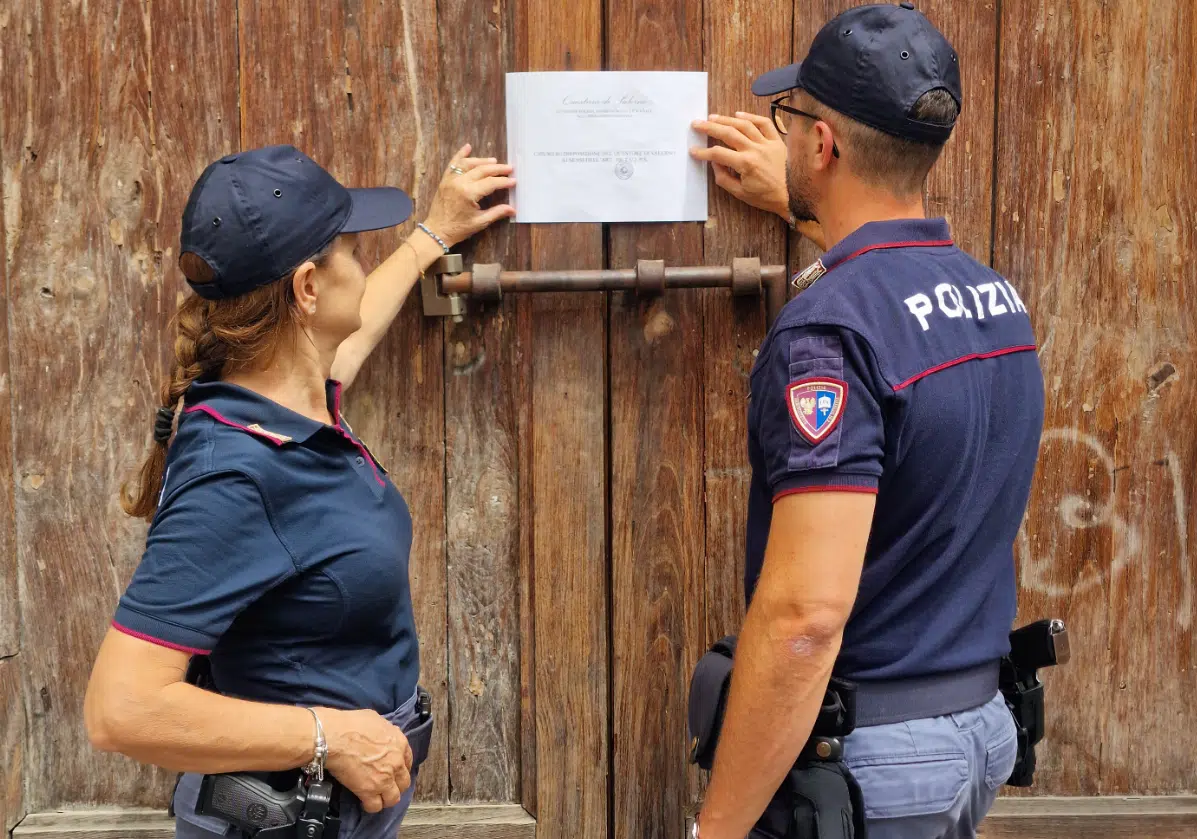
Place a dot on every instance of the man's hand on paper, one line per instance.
(751, 164)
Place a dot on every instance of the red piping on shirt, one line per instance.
(158, 641)
(972, 357)
(214, 414)
(938, 243)
(800, 490)
(365, 452)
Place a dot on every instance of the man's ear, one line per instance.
(303, 283)
(826, 145)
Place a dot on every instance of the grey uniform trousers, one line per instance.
(933, 778)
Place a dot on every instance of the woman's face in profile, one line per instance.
(342, 283)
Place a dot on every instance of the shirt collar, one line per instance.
(898, 233)
(243, 409)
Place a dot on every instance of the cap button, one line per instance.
(228, 158)
(905, 4)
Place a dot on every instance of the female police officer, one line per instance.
(278, 546)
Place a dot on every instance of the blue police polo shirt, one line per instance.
(908, 370)
(279, 548)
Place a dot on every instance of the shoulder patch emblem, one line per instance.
(816, 406)
(807, 276)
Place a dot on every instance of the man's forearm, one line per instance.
(781, 672)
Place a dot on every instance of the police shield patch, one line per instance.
(816, 406)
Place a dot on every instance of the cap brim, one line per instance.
(777, 81)
(377, 208)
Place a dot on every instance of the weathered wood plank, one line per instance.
(744, 38)
(12, 744)
(88, 303)
(1095, 226)
(353, 86)
(482, 370)
(527, 588)
(1082, 817)
(961, 184)
(529, 759)
(657, 515)
(423, 821)
(14, 52)
(1162, 817)
(568, 499)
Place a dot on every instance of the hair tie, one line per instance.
(164, 421)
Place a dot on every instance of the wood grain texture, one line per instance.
(744, 38)
(14, 53)
(482, 373)
(1052, 817)
(960, 187)
(12, 744)
(1095, 226)
(527, 588)
(529, 758)
(89, 299)
(348, 84)
(568, 458)
(1163, 817)
(657, 513)
(423, 821)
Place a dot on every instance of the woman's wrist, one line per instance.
(315, 767)
(438, 230)
(426, 249)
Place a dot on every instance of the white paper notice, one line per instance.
(608, 146)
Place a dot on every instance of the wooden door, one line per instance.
(576, 462)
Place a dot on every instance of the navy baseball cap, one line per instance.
(256, 216)
(872, 64)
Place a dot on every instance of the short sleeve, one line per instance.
(211, 552)
(817, 412)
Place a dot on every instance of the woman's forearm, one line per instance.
(455, 215)
(386, 289)
(185, 729)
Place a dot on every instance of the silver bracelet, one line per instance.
(438, 239)
(315, 769)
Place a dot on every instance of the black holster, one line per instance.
(286, 805)
(819, 798)
(1032, 647)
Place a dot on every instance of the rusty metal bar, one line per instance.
(488, 282)
(520, 281)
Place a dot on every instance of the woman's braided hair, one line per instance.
(214, 338)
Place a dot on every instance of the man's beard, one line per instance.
(801, 194)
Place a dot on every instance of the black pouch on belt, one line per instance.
(819, 798)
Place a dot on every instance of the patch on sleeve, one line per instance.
(816, 406)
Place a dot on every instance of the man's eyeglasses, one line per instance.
(782, 114)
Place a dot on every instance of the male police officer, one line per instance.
(894, 423)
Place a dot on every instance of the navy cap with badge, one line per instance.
(873, 63)
(256, 216)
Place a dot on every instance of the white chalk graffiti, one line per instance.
(1184, 613)
(1080, 513)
